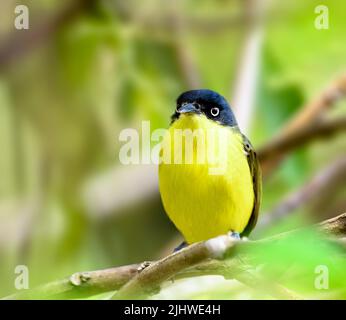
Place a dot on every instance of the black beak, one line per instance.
(188, 108)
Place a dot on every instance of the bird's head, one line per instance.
(205, 102)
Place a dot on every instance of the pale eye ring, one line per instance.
(215, 111)
(197, 106)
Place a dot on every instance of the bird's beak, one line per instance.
(187, 108)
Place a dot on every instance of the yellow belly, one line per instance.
(201, 203)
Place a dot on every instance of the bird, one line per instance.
(201, 204)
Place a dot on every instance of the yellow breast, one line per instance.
(205, 195)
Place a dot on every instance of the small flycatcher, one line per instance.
(203, 205)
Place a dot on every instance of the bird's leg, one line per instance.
(235, 235)
(181, 246)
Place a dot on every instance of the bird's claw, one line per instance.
(144, 265)
(181, 246)
(234, 235)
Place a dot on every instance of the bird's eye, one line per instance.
(215, 111)
(197, 105)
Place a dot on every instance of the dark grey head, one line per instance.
(207, 102)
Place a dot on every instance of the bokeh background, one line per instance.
(85, 70)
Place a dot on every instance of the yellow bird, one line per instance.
(210, 184)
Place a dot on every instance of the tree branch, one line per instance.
(312, 111)
(148, 281)
(82, 284)
(309, 115)
(203, 258)
(286, 143)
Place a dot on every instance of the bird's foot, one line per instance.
(144, 265)
(181, 246)
(234, 235)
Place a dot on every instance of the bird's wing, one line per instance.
(257, 184)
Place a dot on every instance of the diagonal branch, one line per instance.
(313, 111)
(149, 280)
(204, 258)
(309, 115)
(286, 143)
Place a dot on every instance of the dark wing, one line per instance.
(257, 184)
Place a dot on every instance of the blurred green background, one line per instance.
(85, 70)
